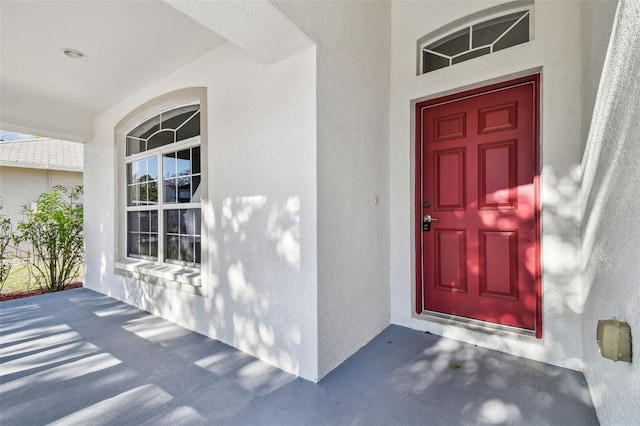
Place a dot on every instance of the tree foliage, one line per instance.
(54, 230)
(5, 237)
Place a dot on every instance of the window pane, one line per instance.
(487, 32)
(147, 128)
(135, 172)
(144, 221)
(433, 62)
(153, 245)
(133, 221)
(152, 168)
(173, 221)
(152, 188)
(139, 171)
(198, 224)
(198, 249)
(471, 55)
(142, 194)
(169, 164)
(195, 188)
(173, 249)
(144, 245)
(190, 129)
(170, 190)
(153, 221)
(518, 34)
(453, 44)
(161, 139)
(183, 239)
(134, 195)
(129, 173)
(134, 146)
(186, 249)
(184, 190)
(187, 221)
(183, 162)
(190, 221)
(195, 160)
(178, 116)
(133, 243)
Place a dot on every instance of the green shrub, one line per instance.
(5, 237)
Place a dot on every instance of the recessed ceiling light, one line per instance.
(74, 54)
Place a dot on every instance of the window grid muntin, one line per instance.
(183, 236)
(160, 207)
(187, 177)
(150, 233)
(192, 117)
(525, 14)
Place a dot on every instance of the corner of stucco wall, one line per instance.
(353, 48)
(99, 196)
(610, 205)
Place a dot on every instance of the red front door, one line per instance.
(477, 178)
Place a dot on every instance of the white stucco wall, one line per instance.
(611, 219)
(353, 48)
(555, 51)
(305, 311)
(262, 199)
(596, 20)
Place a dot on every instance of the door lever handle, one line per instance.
(426, 222)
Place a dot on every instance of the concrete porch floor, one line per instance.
(79, 358)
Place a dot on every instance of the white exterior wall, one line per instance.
(353, 48)
(262, 294)
(555, 51)
(610, 212)
(596, 20)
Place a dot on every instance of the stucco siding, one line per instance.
(262, 293)
(353, 203)
(611, 218)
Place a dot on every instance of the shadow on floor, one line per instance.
(79, 357)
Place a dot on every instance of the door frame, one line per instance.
(418, 249)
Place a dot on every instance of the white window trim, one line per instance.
(175, 276)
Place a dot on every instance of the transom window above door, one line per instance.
(474, 40)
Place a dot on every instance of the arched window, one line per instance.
(474, 39)
(161, 192)
(163, 177)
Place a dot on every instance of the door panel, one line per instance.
(499, 264)
(449, 178)
(476, 175)
(450, 259)
(497, 175)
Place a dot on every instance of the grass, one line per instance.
(20, 279)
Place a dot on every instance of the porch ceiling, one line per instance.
(130, 44)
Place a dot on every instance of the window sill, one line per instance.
(182, 278)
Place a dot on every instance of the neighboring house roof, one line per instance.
(53, 154)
